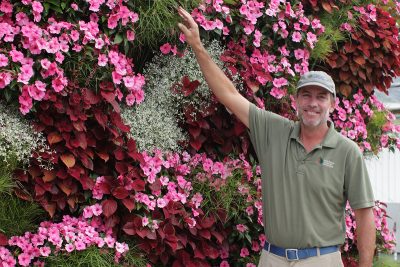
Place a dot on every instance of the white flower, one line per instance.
(155, 123)
(18, 139)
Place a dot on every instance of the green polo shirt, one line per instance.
(305, 194)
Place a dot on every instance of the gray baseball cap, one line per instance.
(318, 78)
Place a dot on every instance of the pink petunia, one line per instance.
(224, 264)
(97, 209)
(59, 57)
(59, 83)
(74, 6)
(296, 37)
(6, 7)
(139, 95)
(69, 247)
(241, 228)
(130, 35)
(244, 252)
(102, 60)
(16, 56)
(3, 60)
(24, 259)
(165, 48)
(37, 7)
(5, 79)
(145, 221)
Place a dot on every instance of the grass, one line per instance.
(27, 214)
(12, 209)
(386, 261)
(94, 256)
(227, 197)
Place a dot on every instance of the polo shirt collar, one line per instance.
(330, 139)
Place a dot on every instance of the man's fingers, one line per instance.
(186, 17)
(183, 28)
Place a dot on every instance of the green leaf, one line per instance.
(126, 46)
(54, 2)
(46, 7)
(7, 95)
(63, 5)
(230, 2)
(118, 39)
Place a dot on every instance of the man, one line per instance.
(309, 170)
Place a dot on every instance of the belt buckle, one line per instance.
(295, 251)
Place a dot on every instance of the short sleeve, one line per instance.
(358, 189)
(265, 126)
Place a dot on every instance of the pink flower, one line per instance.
(139, 96)
(121, 247)
(296, 37)
(3, 60)
(5, 79)
(97, 209)
(255, 246)
(241, 228)
(161, 203)
(244, 252)
(110, 241)
(130, 99)
(80, 245)
(37, 7)
(74, 6)
(102, 60)
(6, 7)
(130, 35)
(45, 251)
(59, 83)
(250, 265)
(279, 82)
(69, 247)
(37, 91)
(59, 57)
(311, 39)
(16, 56)
(224, 264)
(145, 221)
(26, 72)
(99, 43)
(87, 212)
(24, 259)
(113, 21)
(278, 93)
(165, 48)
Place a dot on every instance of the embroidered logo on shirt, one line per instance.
(326, 163)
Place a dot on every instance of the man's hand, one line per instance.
(189, 28)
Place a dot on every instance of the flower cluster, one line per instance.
(155, 123)
(385, 239)
(267, 43)
(18, 140)
(178, 198)
(365, 121)
(71, 234)
(35, 56)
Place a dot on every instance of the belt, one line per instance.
(293, 254)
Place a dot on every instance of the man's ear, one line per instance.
(332, 108)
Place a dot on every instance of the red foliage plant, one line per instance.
(371, 58)
(86, 131)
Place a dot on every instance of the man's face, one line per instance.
(314, 105)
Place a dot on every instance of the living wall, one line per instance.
(113, 150)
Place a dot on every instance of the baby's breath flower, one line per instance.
(155, 123)
(18, 139)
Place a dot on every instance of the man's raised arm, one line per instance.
(216, 79)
